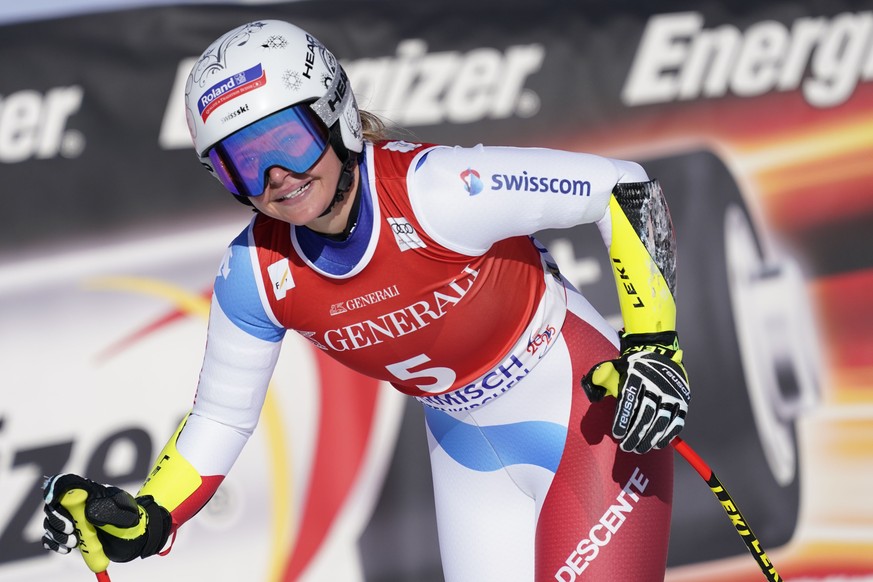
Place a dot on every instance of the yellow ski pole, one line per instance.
(89, 544)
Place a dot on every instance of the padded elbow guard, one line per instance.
(643, 253)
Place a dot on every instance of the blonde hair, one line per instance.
(376, 128)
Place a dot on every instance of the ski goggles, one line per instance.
(293, 139)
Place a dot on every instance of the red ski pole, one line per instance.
(730, 507)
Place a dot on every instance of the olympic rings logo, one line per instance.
(402, 228)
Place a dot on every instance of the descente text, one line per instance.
(599, 536)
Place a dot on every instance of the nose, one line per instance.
(276, 175)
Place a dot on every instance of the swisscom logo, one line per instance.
(525, 182)
(472, 181)
(231, 87)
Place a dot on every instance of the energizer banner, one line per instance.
(757, 120)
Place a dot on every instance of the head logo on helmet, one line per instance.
(263, 67)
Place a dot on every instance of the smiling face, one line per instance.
(293, 138)
(300, 199)
(284, 164)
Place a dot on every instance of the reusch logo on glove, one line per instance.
(630, 397)
(671, 374)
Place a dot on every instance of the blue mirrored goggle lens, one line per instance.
(293, 139)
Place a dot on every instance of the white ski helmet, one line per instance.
(261, 68)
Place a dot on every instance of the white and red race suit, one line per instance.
(441, 291)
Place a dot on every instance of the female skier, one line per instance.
(414, 263)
